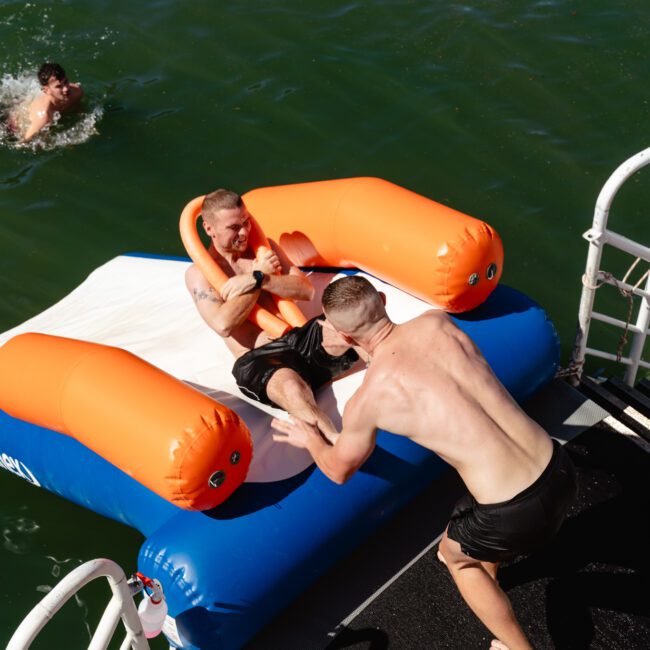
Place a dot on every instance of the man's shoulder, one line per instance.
(40, 103)
(431, 316)
(425, 325)
(377, 380)
(366, 394)
(76, 92)
(362, 410)
(194, 277)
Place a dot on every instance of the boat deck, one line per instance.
(583, 591)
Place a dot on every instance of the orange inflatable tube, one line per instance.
(443, 256)
(178, 442)
(291, 316)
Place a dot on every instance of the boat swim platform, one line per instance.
(579, 592)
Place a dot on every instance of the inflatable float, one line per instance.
(227, 570)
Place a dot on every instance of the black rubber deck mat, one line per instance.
(588, 589)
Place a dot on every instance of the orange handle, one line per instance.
(288, 309)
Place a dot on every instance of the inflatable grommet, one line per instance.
(217, 479)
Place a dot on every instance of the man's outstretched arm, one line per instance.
(339, 461)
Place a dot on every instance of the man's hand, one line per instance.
(267, 262)
(332, 338)
(237, 286)
(337, 461)
(295, 432)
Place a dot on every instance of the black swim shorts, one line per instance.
(301, 350)
(500, 531)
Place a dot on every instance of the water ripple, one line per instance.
(19, 177)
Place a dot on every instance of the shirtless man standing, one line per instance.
(58, 96)
(282, 372)
(429, 382)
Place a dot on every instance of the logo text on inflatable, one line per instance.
(17, 467)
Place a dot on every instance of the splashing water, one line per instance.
(16, 93)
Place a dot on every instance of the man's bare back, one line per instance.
(428, 381)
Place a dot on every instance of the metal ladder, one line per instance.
(598, 236)
(121, 606)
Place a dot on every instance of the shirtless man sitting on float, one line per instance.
(428, 381)
(58, 96)
(282, 372)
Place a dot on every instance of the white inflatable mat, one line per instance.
(141, 304)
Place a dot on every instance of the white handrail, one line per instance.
(597, 236)
(121, 606)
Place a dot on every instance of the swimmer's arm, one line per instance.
(339, 461)
(38, 120)
(75, 97)
(222, 316)
(78, 91)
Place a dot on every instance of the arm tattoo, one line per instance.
(202, 294)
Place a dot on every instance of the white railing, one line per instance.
(121, 606)
(597, 236)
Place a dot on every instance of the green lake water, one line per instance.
(513, 112)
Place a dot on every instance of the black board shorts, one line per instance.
(500, 531)
(301, 350)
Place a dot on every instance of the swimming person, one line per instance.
(427, 380)
(57, 96)
(281, 372)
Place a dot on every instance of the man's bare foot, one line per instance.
(498, 645)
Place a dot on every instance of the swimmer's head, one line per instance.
(226, 221)
(54, 81)
(50, 71)
(353, 306)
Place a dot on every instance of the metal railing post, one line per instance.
(121, 605)
(642, 325)
(597, 236)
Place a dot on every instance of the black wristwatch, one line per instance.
(259, 278)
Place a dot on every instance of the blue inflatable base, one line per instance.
(228, 571)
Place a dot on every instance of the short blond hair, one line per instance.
(353, 304)
(347, 292)
(219, 200)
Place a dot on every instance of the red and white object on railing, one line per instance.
(153, 607)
